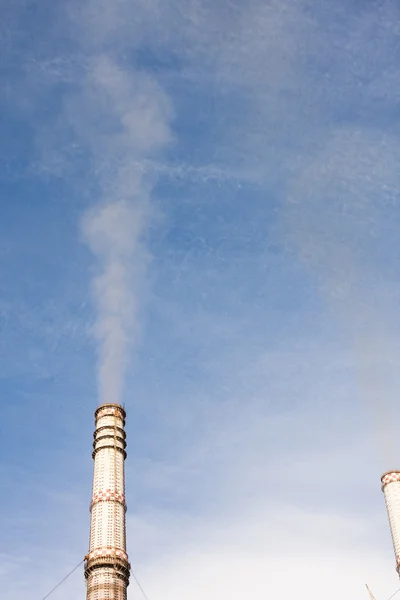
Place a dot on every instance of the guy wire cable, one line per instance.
(393, 595)
(62, 580)
(140, 587)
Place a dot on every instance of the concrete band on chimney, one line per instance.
(107, 567)
(391, 489)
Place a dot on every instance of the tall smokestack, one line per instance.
(107, 567)
(391, 489)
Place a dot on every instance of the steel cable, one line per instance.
(140, 587)
(395, 594)
(62, 580)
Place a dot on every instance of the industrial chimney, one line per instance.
(391, 489)
(107, 567)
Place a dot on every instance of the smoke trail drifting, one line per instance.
(112, 232)
(123, 116)
(341, 212)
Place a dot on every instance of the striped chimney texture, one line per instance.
(391, 489)
(107, 567)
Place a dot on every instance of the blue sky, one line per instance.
(199, 217)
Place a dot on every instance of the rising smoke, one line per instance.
(341, 212)
(123, 117)
(112, 232)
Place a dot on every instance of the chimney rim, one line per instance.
(110, 405)
(391, 472)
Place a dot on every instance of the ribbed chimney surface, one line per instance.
(107, 567)
(391, 489)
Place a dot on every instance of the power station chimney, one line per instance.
(391, 489)
(107, 567)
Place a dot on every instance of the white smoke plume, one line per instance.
(112, 232)
(123, 116)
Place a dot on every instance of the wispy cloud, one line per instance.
(339, 214)
(255, 553)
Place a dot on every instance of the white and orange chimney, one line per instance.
(391, 489)
(107, 566)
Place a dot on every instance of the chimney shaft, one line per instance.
(391, 489)
(107, 567)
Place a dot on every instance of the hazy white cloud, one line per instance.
(284, 552)
(339, 215)
(248, 509)
(293, 71)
